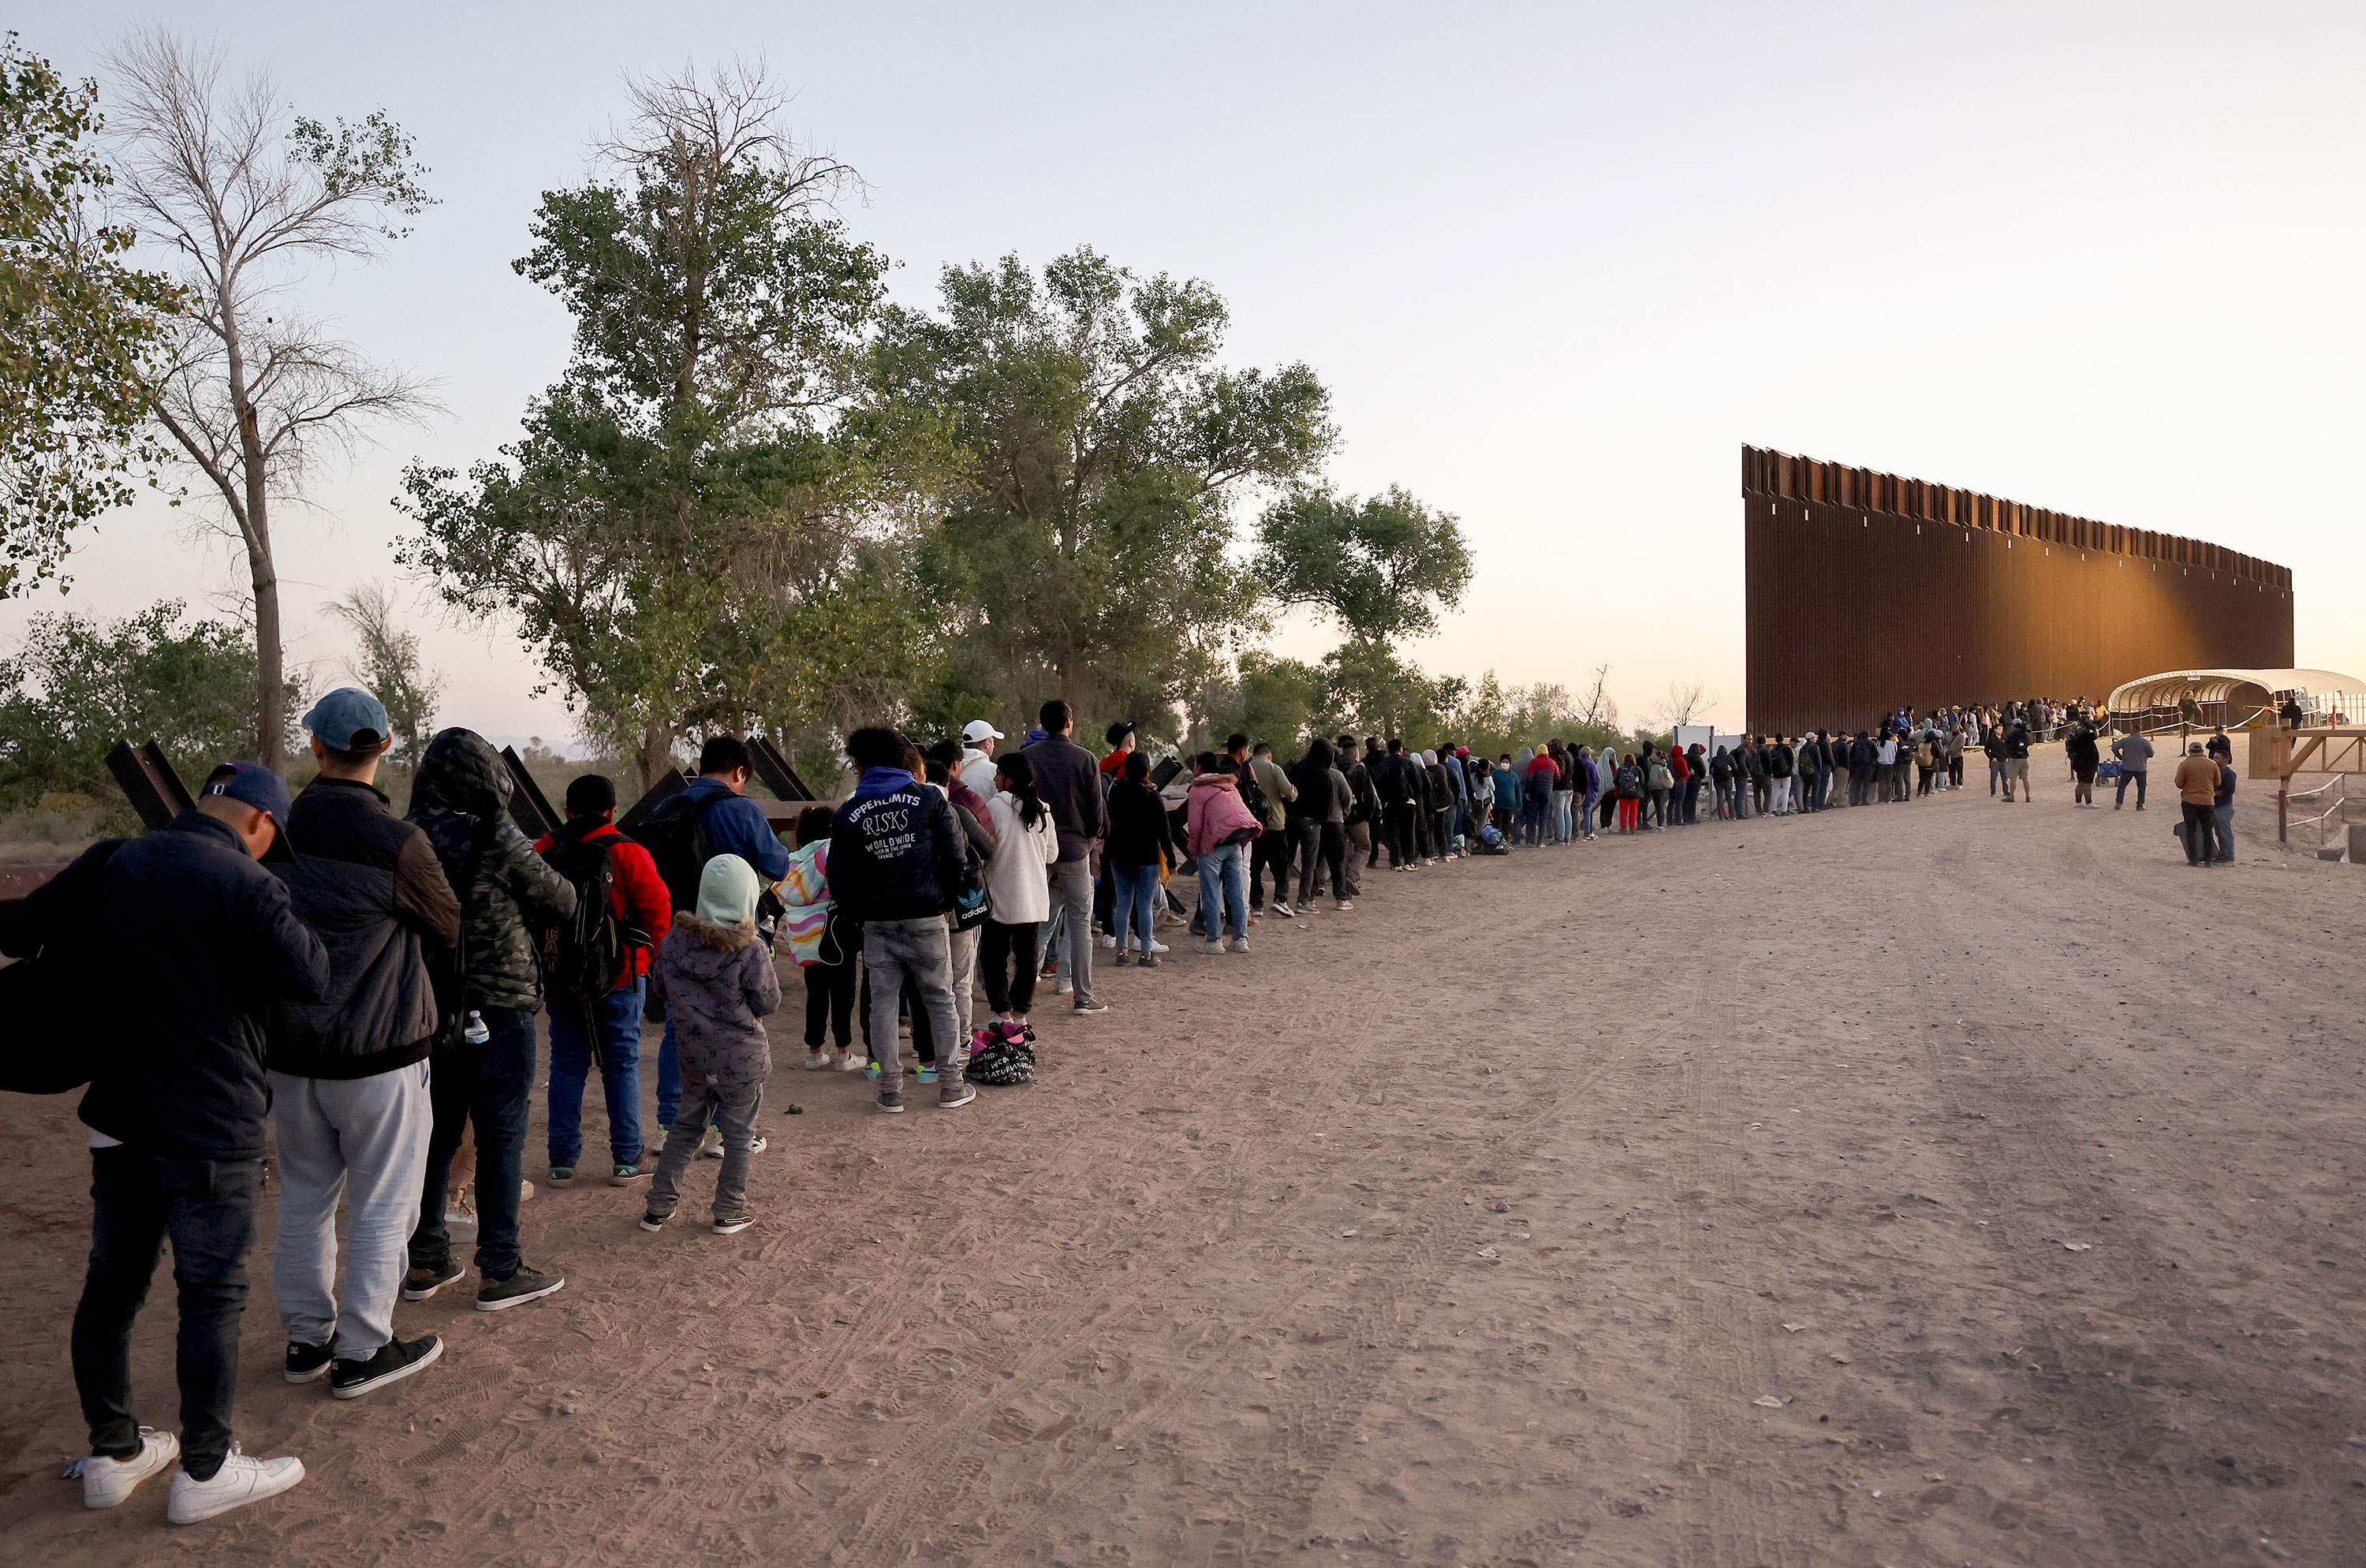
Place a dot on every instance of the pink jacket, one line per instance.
(1215, 812)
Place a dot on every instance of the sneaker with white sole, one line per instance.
(523, 1285)
(239, 1482)
(422, 1281)
(395, 1360)
(1211, 948)
(848, 1062)
(734, 1225)
(1240, 944)
(1157, 946)
(1064, 988)
(956, 1095)
(306, 1362)
(106, 1481)
(1106, 940)
(1344, 907)
(816, 1060)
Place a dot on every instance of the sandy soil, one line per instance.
(1939, 1184)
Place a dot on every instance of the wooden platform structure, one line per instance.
(2278, 754)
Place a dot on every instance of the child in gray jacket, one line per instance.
(718, 983)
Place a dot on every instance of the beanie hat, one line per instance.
(727, 892)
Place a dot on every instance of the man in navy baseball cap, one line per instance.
(258, 790)
(350, 720)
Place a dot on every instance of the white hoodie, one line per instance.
(1018, 892)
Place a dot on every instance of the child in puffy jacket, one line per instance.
(718, 986)
(824, 942)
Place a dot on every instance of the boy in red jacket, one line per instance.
(611, 1030)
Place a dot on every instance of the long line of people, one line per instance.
(367, 985)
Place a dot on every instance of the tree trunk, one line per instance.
(652, 757)
(270, 676)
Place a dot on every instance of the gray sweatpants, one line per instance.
(365, 1140)
(1072, 889)
(961, 950)
(734, 1115)
(921, 952)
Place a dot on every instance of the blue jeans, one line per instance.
(617, 1017)
(2122, 793)
(1220, 869)
(489, 1084)
(1137, 889)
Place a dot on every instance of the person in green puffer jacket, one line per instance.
(482, 1066)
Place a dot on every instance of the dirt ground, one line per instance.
(1951, 1183)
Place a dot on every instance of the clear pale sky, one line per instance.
(1556, 263)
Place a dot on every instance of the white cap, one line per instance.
(977, 730)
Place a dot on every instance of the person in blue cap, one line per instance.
(209, 940)
(349, 1098)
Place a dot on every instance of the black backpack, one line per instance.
(1252, 792)
(675, 836)
(46, 997)
(583, 956)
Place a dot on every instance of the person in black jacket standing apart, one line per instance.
(175, 1120)
(895, 860)
(1069, 781)
(483, 1071)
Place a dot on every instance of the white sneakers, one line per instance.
(106, 1481)
(1156, 945)
(239, 1482)
(1240, 944)
(816, 1060)
(1211, 948)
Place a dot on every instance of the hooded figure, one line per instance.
(718, 980)
(460, 800)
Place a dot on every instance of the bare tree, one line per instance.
(1683, 702)
(1597, 706)
(385, 660)
(256, 395)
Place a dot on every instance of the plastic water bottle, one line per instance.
(474, 1031)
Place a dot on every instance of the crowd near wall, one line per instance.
(1865, 590)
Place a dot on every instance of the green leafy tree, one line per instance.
(1383, 567)
(77, 685)
(1101, 448)
(255, 394)
(1372, 690)
(81, 331)
(689, 534)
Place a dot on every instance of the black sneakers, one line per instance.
(526, 1285)
(423, 1282)
(306, 1362)
(395, 1360)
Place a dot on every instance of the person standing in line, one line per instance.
(978, 740)
(1542, 781)
(2197, 790)
(716, 976)
(975, 820)
(1268, 793)
(1782, 767)
(1591, 784)
(2135, 754)
(1363, 816)
(1322, 793)
(176, 1113)
(1564, 795)
(1658, 783)
(1376, 757)
(1218, 824)
(824, 943)
(1067, 780)
(1399, 785)
(604, 1029)
(481, 1070)
(1140, 845)
(1019, 898)
(712, 816)
(1803, 775)
(896, 857)
(1993, 746)
(350, 1104)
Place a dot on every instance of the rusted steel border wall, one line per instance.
(1865, 590)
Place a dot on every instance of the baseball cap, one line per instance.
(251, 784)
(348, 719)
(1118, 731)
(977, 730)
